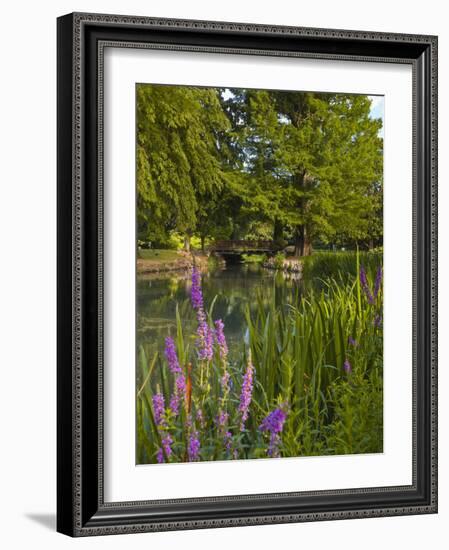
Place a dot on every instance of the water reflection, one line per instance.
(234, 287)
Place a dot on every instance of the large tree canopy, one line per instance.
(321, 163)
(178, 156)
(238, 163)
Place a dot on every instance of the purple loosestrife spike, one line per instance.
(225, 382)
(205, 342)
(210, 343)
(222, 423)
(228, 442)
(174, 404)
(221, 339)
(352, 342)
(347, 366)
(246, 393)
(273, 447)
(378, 321)
(158, 408)
(274, 424)
(274, 421)
(222, 418)
(181, 385)
(365, 286)
(200, 418)
(167, 441)
(205, 339)
(178, 394)
(196, 294)
(171, 356)
(378, 281)
(194, 446)
(363, 280)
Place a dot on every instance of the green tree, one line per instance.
(251, 193)
(319, 164)
(178, 158)
(331, 148)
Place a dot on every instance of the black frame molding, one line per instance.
(81, 510)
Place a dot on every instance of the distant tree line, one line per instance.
(246, 164)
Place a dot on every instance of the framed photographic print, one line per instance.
(246, 274)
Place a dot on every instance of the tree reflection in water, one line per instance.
(234, 288)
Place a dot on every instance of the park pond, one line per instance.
(231, 289)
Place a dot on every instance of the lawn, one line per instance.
(158, 255)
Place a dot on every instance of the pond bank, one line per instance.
(287, 265)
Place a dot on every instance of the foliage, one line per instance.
(256, 164)
(321, 164)
(178, 161)
(279, 260)
(322, 265)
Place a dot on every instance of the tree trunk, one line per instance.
(203, 239)
(187, 242)
(307, 246)
(277, 230)
(303, 246)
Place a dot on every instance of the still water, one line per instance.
(234, 288)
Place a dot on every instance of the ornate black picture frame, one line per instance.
(81, 510)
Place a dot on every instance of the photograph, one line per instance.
(259, 273)
(246, 272)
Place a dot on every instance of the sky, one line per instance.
(378, 110)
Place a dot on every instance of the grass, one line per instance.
(319, 363)
(158, 255)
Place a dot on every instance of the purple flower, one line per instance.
(178, 394)
(222, 418)
(352, 342)
(228, 442)
(171, 356)
(273, 447)
(167, 441)
(205, 342)
(196, 294)
(378, 321)
(246, 393)
(273, 423)
(181, 385)
(205, 335)
(200, 418)
(378, 281)
(365, 285)
(221, 339)
(347, 366)
(222, 423)
(225, 382)
(194, 446)
(158, 408)
(174, 403)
